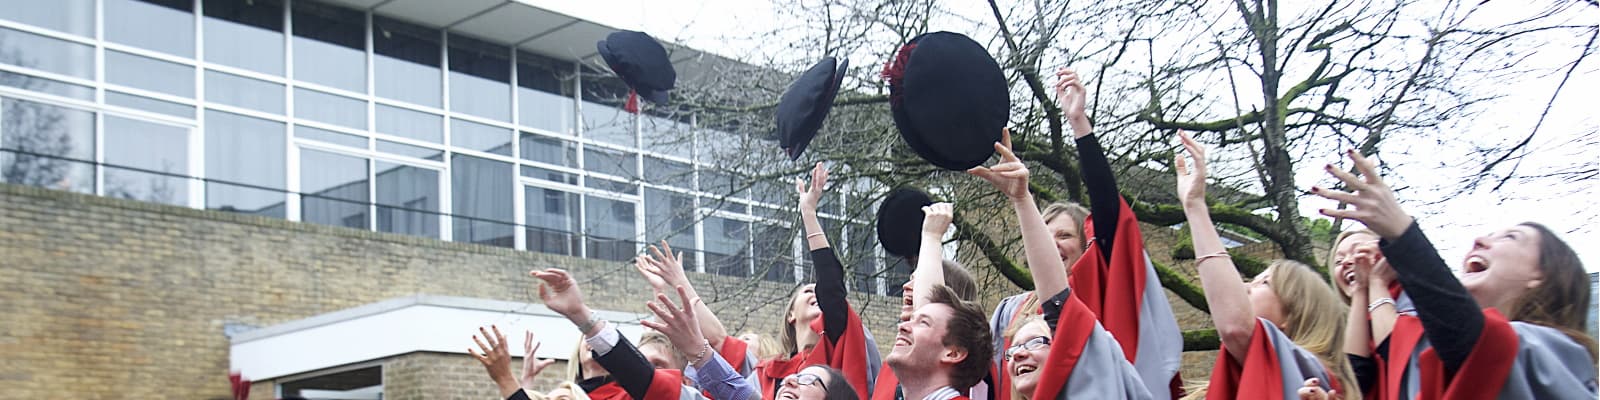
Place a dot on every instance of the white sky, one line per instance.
(726, 27)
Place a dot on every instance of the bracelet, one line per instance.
(705, 347)
(1379, 303)
(812, 235)
(1219, 254)
(587, 325)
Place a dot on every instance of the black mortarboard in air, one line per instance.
(900, 221)
(806, 104)
(950, 99)
(642, 63)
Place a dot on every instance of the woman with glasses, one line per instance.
(816, 382)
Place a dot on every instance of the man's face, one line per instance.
(920, 342)
(660, 356)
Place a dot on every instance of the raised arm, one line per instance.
(561, 294)
(496, 359)
(830, 273)
(936, 219)
(1382, 316)
(664, 270)
(1104, 199)
(1225, 290)
(1010, 176)
(683, 328)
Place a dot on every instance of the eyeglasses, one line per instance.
(1036, 343)
(804, 379)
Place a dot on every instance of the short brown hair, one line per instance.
(651, 337)
(968, 329)
(959, 279)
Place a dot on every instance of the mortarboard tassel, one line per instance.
(895, 70)
(632, 106)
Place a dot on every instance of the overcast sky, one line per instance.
(726, 27)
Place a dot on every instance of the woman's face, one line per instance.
(1026, 364)
(815, 389)
(587, 363)
(1263, 300)
(560, 393)
(1068, 237)
(803, 306)
(1355, 251)
(1502, 266)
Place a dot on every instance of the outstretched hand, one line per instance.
(1074, 98)
(679, 324)
(812, 194)
(496, 359)
(662, 268)
(1191, 181)
(560, 293)
(1010, 176)
(1372, 202)
(531, 364)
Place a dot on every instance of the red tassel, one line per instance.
(632, 106)
(895, 70)
(241, 386)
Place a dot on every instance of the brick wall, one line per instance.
(108, 298)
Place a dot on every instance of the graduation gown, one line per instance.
(848, 355)
(627, 364)
(1273, 368)
(1511, 360)
(1085, 362)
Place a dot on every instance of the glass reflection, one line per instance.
(408, 199)
(407, 150)
(238, 91)
(480, 78)
(166, 26)
(669, 173)
(552, 221)
(48, 54)
(329, 108)
(608, 225)
(42, 85)
(406, 61)
(480, 193)
(611, 162)
(245, 34)
(149, 74)
(333, 189)
(774, 253)
(549, 150)
(544, 99)
(330, 46)
(244, 158)
(475, 136)
(146, 161)
(409, 123)
(671, 216)
(70, 16)
(667, 136)
(607, 124)
(46, 146)
(148, 104)
(727, 242)
(323, 135)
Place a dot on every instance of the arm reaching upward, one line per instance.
(1225, 290)
(1010, 176)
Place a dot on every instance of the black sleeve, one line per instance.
(1052, 307)
(830, 293)
(1366, 371)
(1450, 317)
(1104, 199)
(633, 372)
(519, 395)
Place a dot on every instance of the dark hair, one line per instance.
(967, 329)
(959, 279)
(838, 388)
(1561, 300)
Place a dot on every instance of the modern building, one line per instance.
(245, 129)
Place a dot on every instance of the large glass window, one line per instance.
(238, 91)
(607, 124)
(149, 74)
(481, 197)
(245, 34)
(475, 136)
(408, 199)
(426, 153)
(42, 85)
(409, 123)
(480, 78)
(608, 225)
(345, 139)
(670, 215)
(727, 246)
(244, 164)
(146, 161)
(334, 189)
(70, 16)
(46, 146)
(120, 99)
(552, 219)
(406, 61)
(549, 150)
(774, 253)
(46, 54)
(330, 46)
(329, 108)
(667, 136)
(611, 162)
(660, 171)
(166, 26)
(544, 100)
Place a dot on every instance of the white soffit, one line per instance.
(512, 23)
(404, 325)
(436, 13)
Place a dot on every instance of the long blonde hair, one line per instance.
(1313, 318)
(1333, 259)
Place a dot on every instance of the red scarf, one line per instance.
(848, 355)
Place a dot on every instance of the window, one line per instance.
(411, 124)
(727, 246)
(552, 221)
(238, 91)
(245, 164)
(329, 108)
(42, 85)
(607, 124)
(896, 275)
(245, 34)
(544, 100)
(481, 196)
(610, 162)
(70, 16)
(860, 258)
(774, 253)
(46, 146)
(47, 54)
(321, 135)
(166, 26)
(406, 61)
(146, 161)
(334, 189)
(120, 99)
(426, 153)
(475, 136)
(549, 150)
(149, 74)
(480, 78)
(671, 216)
(668, 173)
(330, 44)
(667, 136)
(408, 199)
(549, 175)
(364, 383)
(609, 228)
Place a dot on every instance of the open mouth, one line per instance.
(788, 395)
(902, 340)
(1350, 277)
(1021, 370)
(1476, 264)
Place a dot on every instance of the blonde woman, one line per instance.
(1282, 333)
(1368, 287)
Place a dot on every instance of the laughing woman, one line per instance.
(1282, 333)
(1511, 327)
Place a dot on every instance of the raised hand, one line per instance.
(679, 324)
(1010, 176)
(1313, 391)
(651, 272)
(531, 365)
(812, 194)
(496, 359)
(1371, 201)
(669, 265)
(560, 292)
(1191, 182)
(1073, 97)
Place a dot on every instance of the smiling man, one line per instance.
(943, 349)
